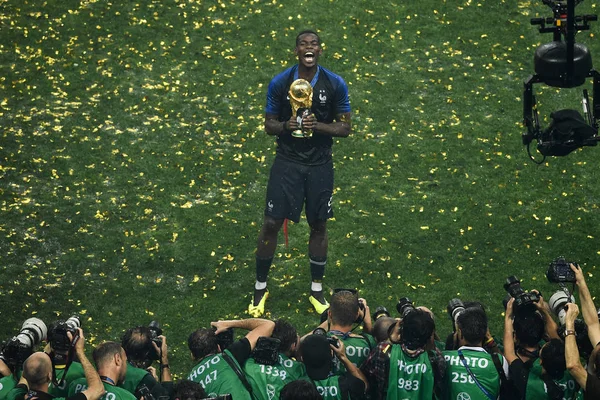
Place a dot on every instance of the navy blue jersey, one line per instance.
(330, 98)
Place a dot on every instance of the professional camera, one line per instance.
(562, 64)
(559, 271)
(225, 338)
(16, 350)
(523, 300)
(155, 331)
(380, 311)
(558, 304)
(455, 307)
(405, 306)
(332, 340)
(58, 337)
(266, 351)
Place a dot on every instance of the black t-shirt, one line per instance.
(519, 373)
(592, 388)
(240, 350)
(353, 386)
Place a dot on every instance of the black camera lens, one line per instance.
(404, 306)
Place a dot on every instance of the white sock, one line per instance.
(316, 287)
(260, 285)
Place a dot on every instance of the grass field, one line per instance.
(133, 161)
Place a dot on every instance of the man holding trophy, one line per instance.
(307, 105)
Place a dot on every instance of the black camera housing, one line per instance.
(332, 340)
(155, 331)
(58, 333)
(523, 299)
(405, 306)
(266, 351)
(559, 271)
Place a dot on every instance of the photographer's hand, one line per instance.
(366, 316)
(549, 323)
(4, 370)
(588, 309)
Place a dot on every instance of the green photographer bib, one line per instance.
(268, 380)
(329, 388)
(74, 372)
(112, 392)
(459, 383)
(536, 387)
(358, 349)
(216, 377)
(409, 378)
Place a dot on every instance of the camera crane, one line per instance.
(562, 63)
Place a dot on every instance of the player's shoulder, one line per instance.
(332, 76)
(283, 77)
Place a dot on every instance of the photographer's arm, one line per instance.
(165, 368)
(571, 351)
(257, 326)
(549, 322)
(4, 370)
(340, 353)
(509, 342)
(95, 388)
(588, 309)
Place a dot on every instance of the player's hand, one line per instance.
(309, 122)
(292, 124)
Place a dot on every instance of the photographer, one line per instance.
(8, 381)
(588, 378)
(65, 367)
(540, 377)
(111, 363)
(188, 390)
(411, 369)
(220, 373)
(141, 350)
(471, 369)
(346, 310)
(316, 353)
(37, 374)
(269, 369)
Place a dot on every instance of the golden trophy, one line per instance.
(301, 100)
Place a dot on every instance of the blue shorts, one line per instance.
(291, 185)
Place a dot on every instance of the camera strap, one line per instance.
(235, 367)
(479, 385)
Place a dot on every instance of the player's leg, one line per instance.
(284, 200)
(265, 249)
(319, 191)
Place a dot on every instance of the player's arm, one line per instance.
(275, 127)
(341, 127)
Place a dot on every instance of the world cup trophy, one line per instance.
(301, 100)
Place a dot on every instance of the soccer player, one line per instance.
(302, 173)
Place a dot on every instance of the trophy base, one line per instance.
(302, 134)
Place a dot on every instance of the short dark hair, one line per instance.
(286, 333)
(416, 329)
(203, 342)
(306, 32)
(104, 352)
(381, 328)
(552, 358)
(188, 390)
(299, 390)
(344, 307)
(137, 344)
(529, 328)
(473, 324)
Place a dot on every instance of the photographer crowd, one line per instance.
(351, 354)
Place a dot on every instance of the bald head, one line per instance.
(37, 369)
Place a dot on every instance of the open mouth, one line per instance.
(309, 56)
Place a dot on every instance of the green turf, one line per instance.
(133, 161)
